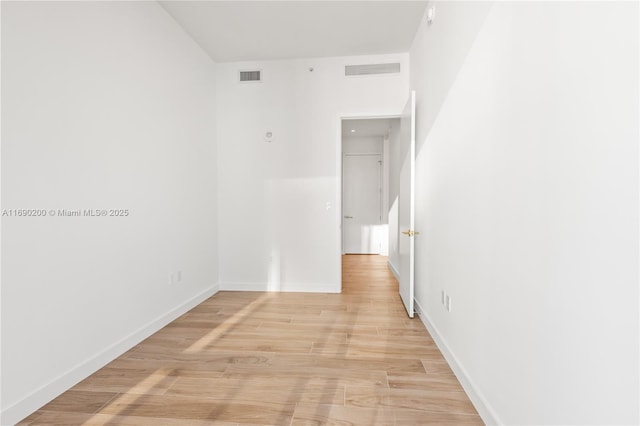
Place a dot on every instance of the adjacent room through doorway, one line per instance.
(365, 185)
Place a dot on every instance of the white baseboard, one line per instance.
(21, 409)
(242, 286)
(284, 287)
(394, 270)
(486, 412)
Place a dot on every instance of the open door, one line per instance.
(406, 203)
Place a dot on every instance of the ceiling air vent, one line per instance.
(250, 76)
(371, 69)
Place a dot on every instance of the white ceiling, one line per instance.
(262, 30)
(376, 127)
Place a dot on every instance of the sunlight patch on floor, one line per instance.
(224, 328)
(143, 387)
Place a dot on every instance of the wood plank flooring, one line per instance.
(278, 359)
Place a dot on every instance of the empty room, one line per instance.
(320, 212)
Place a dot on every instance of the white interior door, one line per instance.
(406, 206)
(362, 204)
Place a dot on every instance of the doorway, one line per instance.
(362, 204)
(365, 185)
(391, 141)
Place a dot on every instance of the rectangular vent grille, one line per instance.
(370, 69)
(250, 75)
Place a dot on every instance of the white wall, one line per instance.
(104, 105)
(279, 202)
(527, 201)
(363, 145)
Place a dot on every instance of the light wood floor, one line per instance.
(278, 359)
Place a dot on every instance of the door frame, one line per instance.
(406, 283)
(338, 212)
